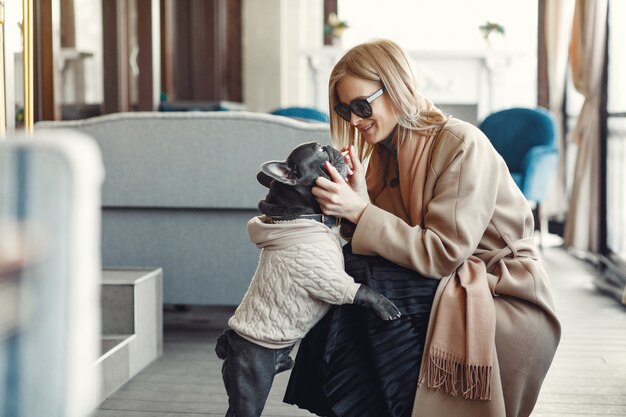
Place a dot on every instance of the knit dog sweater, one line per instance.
(300, 273)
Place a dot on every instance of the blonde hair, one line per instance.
(385, 62)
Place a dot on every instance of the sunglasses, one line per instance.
(361, 107)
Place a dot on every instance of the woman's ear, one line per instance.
(279, 171)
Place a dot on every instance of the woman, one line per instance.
(437, 199)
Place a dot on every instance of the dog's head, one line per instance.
(290, 181)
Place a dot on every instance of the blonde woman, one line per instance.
(436, 204)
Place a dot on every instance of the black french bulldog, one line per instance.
(290, 197)
(292, 288)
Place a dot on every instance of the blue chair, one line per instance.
(306, 114)
(526, 139)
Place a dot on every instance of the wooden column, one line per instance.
(543, 89)
(45, 107)
(330, 6)
(115, 56)
(202, 25)
(204, 61)
(145, 100)
(232, 52)
(167, 48)
(27, 59)
(181, 58)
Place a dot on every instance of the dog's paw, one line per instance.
(387, 310)
(380, 304)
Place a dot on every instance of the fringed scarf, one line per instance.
(460, 352)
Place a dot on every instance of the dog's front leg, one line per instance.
(385, 309)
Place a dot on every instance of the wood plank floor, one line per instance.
(587, 378)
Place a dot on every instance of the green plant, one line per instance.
(335, 27)
(488, 28)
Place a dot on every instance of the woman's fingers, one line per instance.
(327, 192)
(346, 157)
(324, 188)
(326, 199)
(334, 174)
(354, 159)
(336, 197)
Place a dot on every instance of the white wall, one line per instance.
(88, 15)
(276, 33)
(14, 81)
(452, 26)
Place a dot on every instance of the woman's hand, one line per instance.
(336, 197)
(356, 177)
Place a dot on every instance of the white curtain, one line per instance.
(587, 61)
(558, 28)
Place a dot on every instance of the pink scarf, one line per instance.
(461, 347)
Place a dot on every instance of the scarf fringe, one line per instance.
(449, 374)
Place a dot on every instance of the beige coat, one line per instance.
(471, 206)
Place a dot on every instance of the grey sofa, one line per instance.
(179, 190)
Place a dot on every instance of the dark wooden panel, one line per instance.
(202, 26)
(232, 73)
(206, 56)
(115, 56)
(182, 51)
(68, 24)
(144, 60)
(330, 6)
(44, 106)
(167, 47)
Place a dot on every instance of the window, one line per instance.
(616, 133)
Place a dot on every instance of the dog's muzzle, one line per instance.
(336, 160)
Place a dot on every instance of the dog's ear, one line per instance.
(279, 171)
(264, 179)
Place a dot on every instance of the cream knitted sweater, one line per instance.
(300, 273)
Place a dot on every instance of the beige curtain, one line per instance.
(587, 60)
(558, 29)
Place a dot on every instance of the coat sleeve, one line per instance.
(467, 174)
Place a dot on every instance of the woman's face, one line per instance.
(383, 120)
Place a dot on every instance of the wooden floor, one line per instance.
(587, 378)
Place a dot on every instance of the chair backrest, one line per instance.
(50, 193)
(514, 131)
(308, 114)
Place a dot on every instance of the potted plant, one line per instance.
(334, 28)
(488, 30)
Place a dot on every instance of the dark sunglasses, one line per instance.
(361, 107)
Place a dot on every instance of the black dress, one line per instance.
(353, 364)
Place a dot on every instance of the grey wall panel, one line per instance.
(206, 255)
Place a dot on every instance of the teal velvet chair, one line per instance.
(307, 114)
(526, 139)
